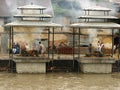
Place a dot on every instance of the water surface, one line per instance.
(59, 81)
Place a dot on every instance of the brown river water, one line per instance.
(59, 81)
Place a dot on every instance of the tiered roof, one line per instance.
(96, 8)
(96, 21)
(33, 15)
(32, 7)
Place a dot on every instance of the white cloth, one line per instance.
(43, 49)
(14, 50)
(27, 47)
(101, 46)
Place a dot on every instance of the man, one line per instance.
(14, 48)
(90, 48)
(101, 47)
(42, 49)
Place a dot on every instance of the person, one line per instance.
(116, 43)
(114, 49)
(17, 48)
(54, 49)
(42, 49)
(90, 48)
(101, 48)
(98, 46)
(14, 48)
(27, 47)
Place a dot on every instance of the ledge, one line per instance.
(31, 60)
(97, 60)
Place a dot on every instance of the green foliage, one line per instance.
(65, 7)
(58, 10)
(117, 33)
(99, 0)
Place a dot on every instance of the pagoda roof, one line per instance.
(32, 24)
(96, 8)
(97, 17)
(33, 16)
(108, 25)
(32, 7)
(118, 2)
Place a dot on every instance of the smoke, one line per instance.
(9, 7)
(92, 34)
(28, 35)
(71, 9)
(12, 6)
(86, 3)
(74, 8)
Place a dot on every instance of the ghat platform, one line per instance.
(96, 64)
(30, 65)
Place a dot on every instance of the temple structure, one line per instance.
(24, 49)
(32, 27)
(96, 18)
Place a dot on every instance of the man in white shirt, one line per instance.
(101, 47)
(42, 49)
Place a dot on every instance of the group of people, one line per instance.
(41, 49)
(17, 48)
(99, 49)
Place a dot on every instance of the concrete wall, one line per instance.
(96, 64)
(31, 66)
(96, 68)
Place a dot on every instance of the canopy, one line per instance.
(32, 24)
(108, 25)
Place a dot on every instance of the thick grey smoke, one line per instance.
(12, 6)
(9, 7)
(73, 8)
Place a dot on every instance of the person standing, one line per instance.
(101, 47)
(27, 47)
(17, 48)
(90, 48)
(14, 48)
(42, 49)
(98, 46)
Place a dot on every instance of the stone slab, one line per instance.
(96, 65)
(31, 66)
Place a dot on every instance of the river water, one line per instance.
(59, 81)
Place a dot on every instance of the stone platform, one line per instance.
(30, 65)
(96, 64)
